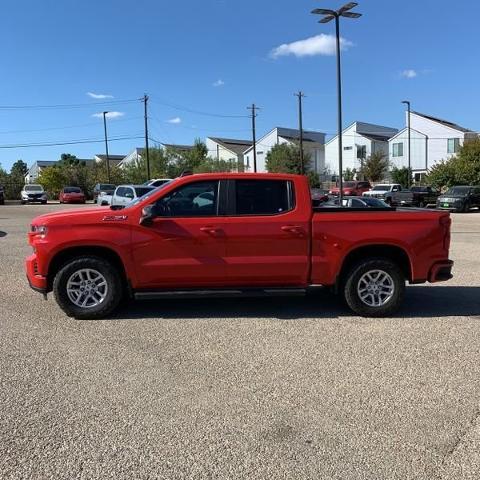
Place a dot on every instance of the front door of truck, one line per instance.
(267, 234)
(185, 245)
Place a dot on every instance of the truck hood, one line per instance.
(80, 215)
(376, 192)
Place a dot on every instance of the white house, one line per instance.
(313, 144)
(137, 154)
(36, 168)
(114, 160)
(431, 140)
(359, 141)
(228, 149)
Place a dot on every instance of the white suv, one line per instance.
(33, 193)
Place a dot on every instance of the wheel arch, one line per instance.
(64, 256)
(391, 252)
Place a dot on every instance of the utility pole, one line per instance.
(254, 108)
(300, 95)
(106, 145)
(145, 100)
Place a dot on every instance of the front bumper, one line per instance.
(36, 281)
(441, 271)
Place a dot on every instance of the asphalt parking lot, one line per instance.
(251, 389)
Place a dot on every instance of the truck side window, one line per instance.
(121, 191)
(263, 197)
(198, 199)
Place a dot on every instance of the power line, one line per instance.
(66, 105)
(196, 112)
(68, 142)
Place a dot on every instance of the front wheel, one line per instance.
(374, 287)
(88, 288)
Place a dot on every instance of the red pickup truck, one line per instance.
(233, 235)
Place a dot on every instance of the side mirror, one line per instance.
(149, 213)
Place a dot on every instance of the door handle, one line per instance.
(295, 229)
(210, 230)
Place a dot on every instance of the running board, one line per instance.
(218, 293)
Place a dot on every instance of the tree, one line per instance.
(402, 176)
(349, 174)
(461, 169)
(53, 179)
(285, 158)
(19, 169)
(375, 167)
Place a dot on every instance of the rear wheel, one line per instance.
(466, 207)
(88, 288)
(374, 287)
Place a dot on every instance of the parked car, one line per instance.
(352, 188)
(319, 196)
(157, 182)
(2, 195)
(124, 194)
(72, 195)
(356, 202)
(383, 192)
(415, 197)
(101, 189)
(256, 235)
(460, 199)
(32, 193)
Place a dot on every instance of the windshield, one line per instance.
(141, 191)
(33, 188)
(349, 184)
(72, 190)
(149, 194)
(374, 202)
(458, 191)
(381, 187)
(107, 186)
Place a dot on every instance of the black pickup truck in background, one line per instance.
(415, 197)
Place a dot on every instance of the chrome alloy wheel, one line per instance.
(375, 288)
(87, 288)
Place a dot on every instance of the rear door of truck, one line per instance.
(268, 232)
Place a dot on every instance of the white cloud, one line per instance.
(218, 83)
(318, 45)
(109, 114)
(98, 96)
(409, 73)
(175, 120)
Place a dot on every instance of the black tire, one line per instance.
(352, 280)
(421, 204)
(466, 207)
(22, 202)
(44, 203)
(114, 294)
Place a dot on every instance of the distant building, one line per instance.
(228, 149)
(114, 160)
(313, 144)
(359, 141)
(36, 168)
(432, 140)
(137, 154)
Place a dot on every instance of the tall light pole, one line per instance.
(254, 109)
(335, 15)
(106, 145)
(407, 103)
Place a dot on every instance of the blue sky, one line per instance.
(217, 57)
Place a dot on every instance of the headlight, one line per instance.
(24, 195)
(39, 230)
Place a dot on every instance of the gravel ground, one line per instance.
(251, 389)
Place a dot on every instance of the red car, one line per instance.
(234, 234)
(352, 189)
(71, 195)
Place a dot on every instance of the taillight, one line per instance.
(445, 221)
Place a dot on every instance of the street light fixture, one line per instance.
(106, 144)
(407, 103)
(335, 15)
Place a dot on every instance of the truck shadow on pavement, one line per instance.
(426, 301)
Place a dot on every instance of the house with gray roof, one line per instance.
(313, 145)
(359, 141)
(228, 149)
